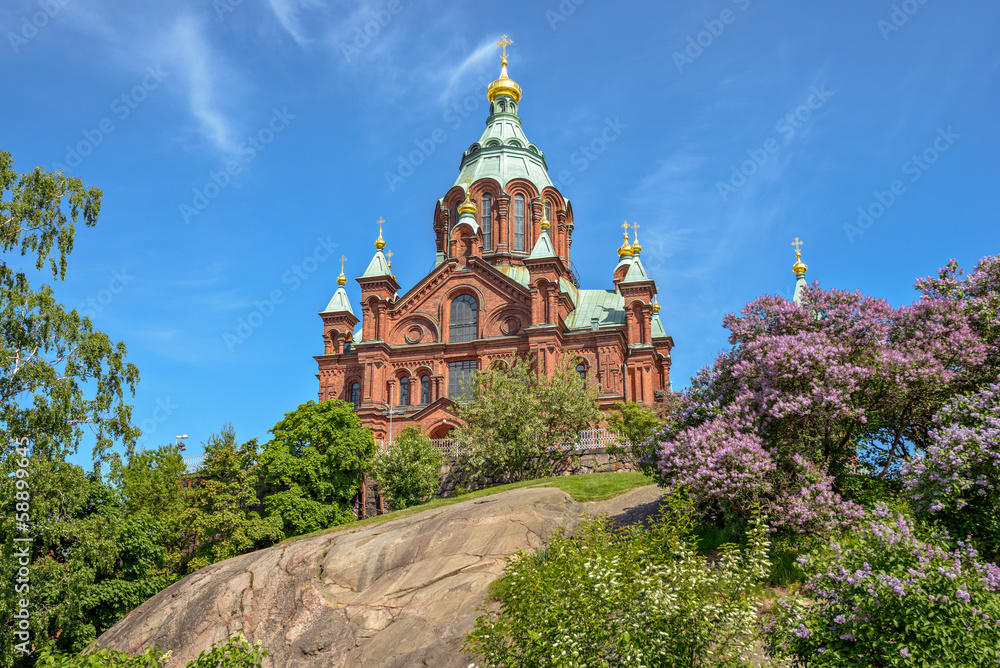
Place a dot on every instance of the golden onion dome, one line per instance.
(656, 307)
(636, 248)
(504, 85)
(467, 206)
(545, 222)
(380, 242)
(626, 248)
(341, 280)
(799, 267)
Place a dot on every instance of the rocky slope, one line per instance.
(400, 593)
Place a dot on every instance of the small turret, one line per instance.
(799, 269)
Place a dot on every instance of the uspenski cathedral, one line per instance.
(502, 286)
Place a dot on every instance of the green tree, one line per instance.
(59, 378)
(516, 419)
(223, 514)
(313, 467)
(408, 471)
(88, 562)
(635, 425)
(58, 375)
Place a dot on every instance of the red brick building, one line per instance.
(502, 286)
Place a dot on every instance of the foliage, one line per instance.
(957, 481)
(892, 598)
(223, 515)
(635, 425)
(234, 653)
(517, 418)
(841, 385)
(408, 471)
(89, 562)
(627, 598)
(57, 373)
(313, 466)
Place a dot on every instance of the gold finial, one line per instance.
(504, 85)
(636, 248)
(626, 247)
(467, 206)
(503, 43)
(656, 307)
(389, 256)
(380, 242)
(545, 221)
(800, 267)
(342, 280)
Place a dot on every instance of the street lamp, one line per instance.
(392, 412)
(177, 441)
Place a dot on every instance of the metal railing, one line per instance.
(590, 439)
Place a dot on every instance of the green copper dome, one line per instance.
(503, 152)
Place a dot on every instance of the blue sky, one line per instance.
(244, 145)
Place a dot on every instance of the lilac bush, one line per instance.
(957, 480)
(892, 598)
(840, 384)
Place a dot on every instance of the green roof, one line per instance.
(636, 272)
(657, 327)
(503, 152)
(600, 307)
(543, 247)
(339, 303)
(379, 266)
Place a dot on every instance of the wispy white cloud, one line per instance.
(289, 13)
(203, 72)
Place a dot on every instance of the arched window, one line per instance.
(519, 222)
(486, 221)
(356, 394)
(425, 389)
(404, 391)
(548, 210)
(581, 369)
(464, 320)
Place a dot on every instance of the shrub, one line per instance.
(235, 653)
(625, 598)
(516, 419)
(635, 425)
(407, 472)
(957, 481)
(892, 598)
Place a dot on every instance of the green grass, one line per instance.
(591, 487)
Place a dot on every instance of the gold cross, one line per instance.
(504, 42)
(343, 259)
(625, 226)
(797, 244)
(380, 221)
(389, 255)
(635, 230)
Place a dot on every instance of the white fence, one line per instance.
(590, 439)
